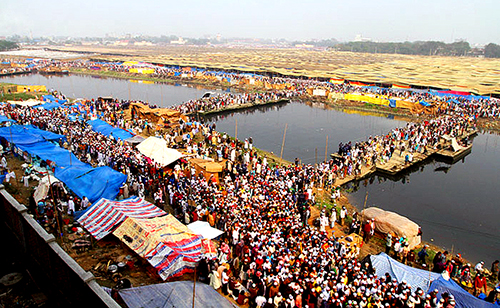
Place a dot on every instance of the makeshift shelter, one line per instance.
(204, 229)
(426, 280)
(5, 119)
(135, 140)
(178, 294)
(168, 245)
(209, 168)
(414, 277)
(463, 299)
(386, 221)
(27, 103)
(163, 116)
(105, 215)
(156, 148)
(106, 129)
(43, 187)
(93, 183)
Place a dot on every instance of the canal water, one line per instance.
(85, 86)
(455, 204)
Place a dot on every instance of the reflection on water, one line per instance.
(455, 204)
(87, 86)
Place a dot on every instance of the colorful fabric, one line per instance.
(105, 215)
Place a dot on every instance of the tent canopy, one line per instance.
(167, 244)
(156, 149)
(415, 277)
(106, 129)
(463, 299)
(204, 229)
(105, 215)
(178, 294)
(386, 221)
(94, 183)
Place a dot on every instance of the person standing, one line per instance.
(333, 217)
(343, 213)
(388, 243)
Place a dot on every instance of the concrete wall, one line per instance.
(57, 274)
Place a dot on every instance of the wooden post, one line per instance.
(283, 143)
(236, 130)
(194, 285)
(326, 148)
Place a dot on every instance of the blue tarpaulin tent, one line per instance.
(177, 294)
(426, 280)
(415, 277)
(463, 298)
(5, 119)
(106, 129)
(81, 178)
(94, 183)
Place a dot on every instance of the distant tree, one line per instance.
(8, 45)
(492, 51)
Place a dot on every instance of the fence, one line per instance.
(53, 269)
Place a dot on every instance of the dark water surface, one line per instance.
(85, 86)
(457, 209)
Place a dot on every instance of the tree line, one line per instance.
(8, 45)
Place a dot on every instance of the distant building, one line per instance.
(304, 46)
(360, 38)
(180, 41)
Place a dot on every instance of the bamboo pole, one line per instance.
(236, 130)
(326, 149)
(283, 143)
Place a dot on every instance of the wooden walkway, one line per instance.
(240, 107)
(397, 163)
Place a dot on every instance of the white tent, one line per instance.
(30, 102)
(156, 149)
(204, 229)
(42, 190)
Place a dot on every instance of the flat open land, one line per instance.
(478, 75)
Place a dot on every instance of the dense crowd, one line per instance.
(269, 256)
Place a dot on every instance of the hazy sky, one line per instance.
(382, 20)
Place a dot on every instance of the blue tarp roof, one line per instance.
(463, 299)
(26, 134)
(5, 119)
(94, 183)
(106, 129)
(49, 106)
(415, 277)
(178, 294)
(81, 178)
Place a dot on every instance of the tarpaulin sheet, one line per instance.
(49, 151)
(5, 119)
(105, 215)
(93, 183)
(106, 129)
(463, 299)
(414, 277)
(178, 294)
(26, 134)
(167, 244)
(50, 106)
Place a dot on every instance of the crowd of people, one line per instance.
(269, 255)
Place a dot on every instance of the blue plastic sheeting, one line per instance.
(177, 294)
(424, 103)
(463, 299)
(106, 129)
(49, 151)
(5, 119)
(392, 103)
(49, 106)
(94, 183)
(25, 134)
(52, 99)
(414, 277)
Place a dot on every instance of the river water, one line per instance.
(456, 205)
